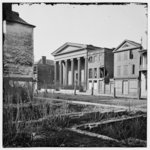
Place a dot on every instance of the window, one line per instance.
(133, 69)
(35, 69)
(125, 69)
(95, 58)
(118, 70)
(95, 72)
(90, 73)
(131, 54)
(125, 55)
(140, 60)
(90, 59)
(100, 56)
(146, 85)
(101, 72)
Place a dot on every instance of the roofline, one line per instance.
(21, 23)
(70, 43)
(124, 42)
(143, 51)
(127, 49)
(65, 44)
(69, 52)
(38, 62)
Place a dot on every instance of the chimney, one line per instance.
(44, 60)
(7, 9)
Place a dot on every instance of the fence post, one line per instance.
(75, 87)
(114, 92)
(92, 91)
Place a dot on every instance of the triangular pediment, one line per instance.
(125, 45)
(68, 47)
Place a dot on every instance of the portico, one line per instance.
(71, 66)
(69, 71)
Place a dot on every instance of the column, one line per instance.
(60, 73)
(72, 71)
(66, 76)
(104, 79)
(79, 71)
(55, 72)
(85, 72)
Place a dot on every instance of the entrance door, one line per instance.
(125, 87)
(111, 88)
(143, 85)
(101, 87)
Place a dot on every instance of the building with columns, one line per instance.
(73, 65)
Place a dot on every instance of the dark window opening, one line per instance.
(133, 69)
(95, 72)
(131, 54)
(90, 73)
(90, 59)
(35, 69)
(140, 60)
(101, 72)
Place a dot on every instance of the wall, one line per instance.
(126, 84)
(126, 87)
(99, 60)
(104, 59)
(143, 85)
(109, 62)
(45, 76)
(18, 50)
(18, 62)
(129, 62)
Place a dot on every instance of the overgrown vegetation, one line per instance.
(121, 130)
(28, 122)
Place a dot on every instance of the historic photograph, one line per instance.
(74, 74)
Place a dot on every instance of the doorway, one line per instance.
(125, 88)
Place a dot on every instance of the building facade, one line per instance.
(100, 71)
(143, 74)
(82, 66)
(126, 69)
(71, 66)
(44, 74)
(17, 51)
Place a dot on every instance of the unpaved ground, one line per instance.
(66, 138)
(120, 103)
(78, 107)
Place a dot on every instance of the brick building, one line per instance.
(100, 70)
(85, 66)
(44, 72)
(126, 69)
(17, 51)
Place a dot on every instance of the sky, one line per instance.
(99, 25)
